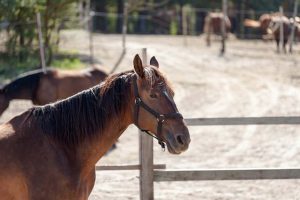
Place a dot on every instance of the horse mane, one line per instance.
(27, 81)
(87, 113)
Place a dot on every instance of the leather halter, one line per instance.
(159, 117)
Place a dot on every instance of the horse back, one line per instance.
(213, 22)
(97, 75)
(62, 84)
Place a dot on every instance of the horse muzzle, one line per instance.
(178, 142)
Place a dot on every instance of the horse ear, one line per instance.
(154, 62)
(138, 66)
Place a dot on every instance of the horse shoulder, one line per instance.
(12, 179)
(33, 165)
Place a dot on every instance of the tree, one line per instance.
(20, 17)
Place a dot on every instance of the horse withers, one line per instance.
(45, 87)
(50, 152)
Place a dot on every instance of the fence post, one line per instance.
(242, 18)
(224, 8)
(41, 44)
(281, 29)
(293, 26)
(146, 158)
(184, 25)
(91, 41)
(86, 14)
(125, 24)
(124, 33)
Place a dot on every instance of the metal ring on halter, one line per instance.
(161, 118)
(163, 145)
(138, 100)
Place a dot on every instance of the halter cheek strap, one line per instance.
(159, 117)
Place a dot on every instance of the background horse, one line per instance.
(270, 27)
(42, 88)
(274, 29)
(213, 24)
(296, 22)
(262, 23)
(50, 152)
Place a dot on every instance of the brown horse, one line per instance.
(297, 27)
(213, 24)
(42, 88)
(262, 23)
(49, 152)
(274, 29)
(270, 27)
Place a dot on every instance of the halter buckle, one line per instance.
(162, 144)
(138, 100)
(161, 118)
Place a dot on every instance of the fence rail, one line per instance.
(229, 121)
(159, 175)
(126, 167)
(225, 174)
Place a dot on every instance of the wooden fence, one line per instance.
(159, 175)
(150, 173)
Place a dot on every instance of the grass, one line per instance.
(67, 60)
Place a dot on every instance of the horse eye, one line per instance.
(153, 95)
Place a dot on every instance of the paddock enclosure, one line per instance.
(250, 80)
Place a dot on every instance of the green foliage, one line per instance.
(190, 19)
(11, 67)
(132, 21)
(173, 27)
(67, 60)
(20, 17)
(112, 19)
(68, 63)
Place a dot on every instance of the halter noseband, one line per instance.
(159, 117)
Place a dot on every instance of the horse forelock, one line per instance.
(155, 77)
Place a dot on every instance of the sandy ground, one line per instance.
(250, 80)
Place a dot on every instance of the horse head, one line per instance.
(155, 110)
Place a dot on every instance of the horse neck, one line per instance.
(24, 86)
(90, 151)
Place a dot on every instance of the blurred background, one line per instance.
(240, 73)
(19, 49)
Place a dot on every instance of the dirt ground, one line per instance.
(250, 80)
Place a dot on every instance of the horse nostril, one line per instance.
(180, 140)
